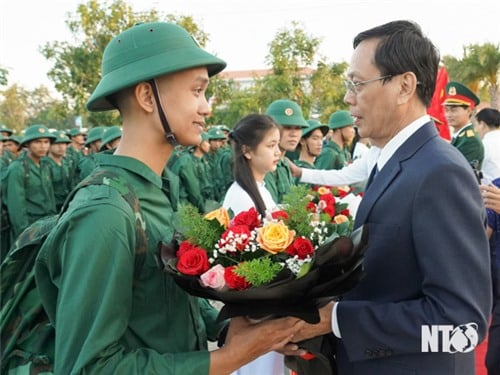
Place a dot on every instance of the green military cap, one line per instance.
(36, 132)
(5, 129)
(224, 128)
(313, 125)
(110, 134)
(340, 119)
(15, 138)
(73, 132)
(215, 133)
(61, 137)
(286, 113)
(146, 51)
(459, 95)
(204, 136)
(94, 134)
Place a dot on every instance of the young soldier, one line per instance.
(115, 311)
(93, 142)
(29, 195)
(59, 168)
(288, 115)
(335, 154)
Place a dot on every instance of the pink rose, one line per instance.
(214, 278)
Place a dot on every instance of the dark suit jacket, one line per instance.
(427, 263)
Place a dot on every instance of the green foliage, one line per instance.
(259, 271)
(4, 75)
(195, 229)
(295, 202)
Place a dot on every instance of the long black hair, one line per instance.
(246, 136)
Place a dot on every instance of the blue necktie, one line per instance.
(373, 174)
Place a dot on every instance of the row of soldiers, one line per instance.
(42, 167)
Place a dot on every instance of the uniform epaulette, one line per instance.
(469, 133)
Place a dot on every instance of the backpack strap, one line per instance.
(114, 180)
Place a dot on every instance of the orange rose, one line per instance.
(221, 215)
(339, 219)
(275, 237)
(323, 190)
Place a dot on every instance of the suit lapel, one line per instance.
(391, 170)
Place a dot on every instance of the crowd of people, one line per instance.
(425, 202)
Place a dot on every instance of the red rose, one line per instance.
(249, 218)
(343, 193)
(311, 207)
(234, 281)
(345, 212)
(193, 262)
(279, 215)
(301, 247)
(329, 199)
(184, 246)
(330, 210)
(236, 235)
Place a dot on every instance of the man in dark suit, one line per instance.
(425, 298)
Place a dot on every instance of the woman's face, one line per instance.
(265, 157)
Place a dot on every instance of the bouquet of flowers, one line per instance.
(281, 264)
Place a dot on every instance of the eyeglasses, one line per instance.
(352, 86)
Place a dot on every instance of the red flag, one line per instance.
(436, 109)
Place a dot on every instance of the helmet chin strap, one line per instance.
(169, 135)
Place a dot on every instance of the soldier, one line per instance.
(336, 154)
(194, 180)
(114, 310)
(75, 151)
(288, 115)
(217, 139)
(29, 194)
(59, 168)
(12, 148)
(111, 138)
(93, 142)
(459, 104)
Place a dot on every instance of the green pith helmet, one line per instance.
(204, 136)
(15, 138)
(458, 94)
(286, 113)
(313, 125)
(146, 51)
(61, 137)
(36, 132)
(4, 129)
(94, 134)
(215, 133)
(340, 119)
(110, 134)
(224, 128)
(73, 132)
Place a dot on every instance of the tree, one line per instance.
(77, 64)
(290, 52)
(479, 68)
(4, 76)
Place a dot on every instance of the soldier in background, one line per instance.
(93, 143)
(59, 168)
(459, 103)
(288, 115)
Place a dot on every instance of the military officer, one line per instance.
(459, 104)
(288, 115)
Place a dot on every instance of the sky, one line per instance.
(241, 30)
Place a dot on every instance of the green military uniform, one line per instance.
(28, 193)
(285, 113)
(121, 313)
(466, 140)
(213, 157)
(194, 180)
(334, 156)
(60, 174)
(134, 332)
(226, 164)
(4, 219)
